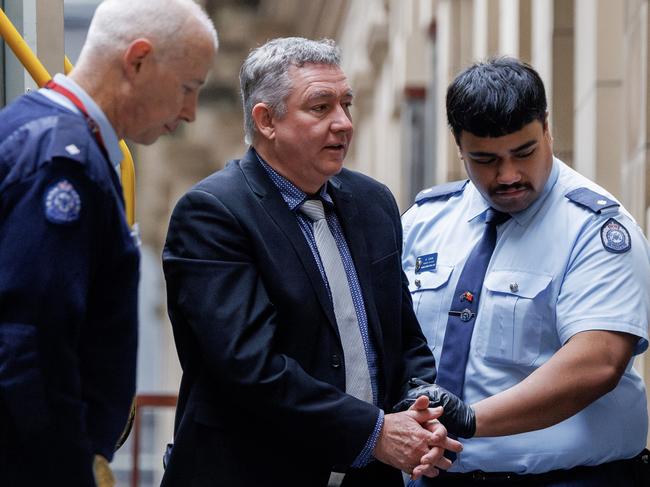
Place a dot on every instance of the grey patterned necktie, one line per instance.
(357, 376)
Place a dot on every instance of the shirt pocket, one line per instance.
(515, 310)
(430, 294)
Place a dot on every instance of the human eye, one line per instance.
(187, 89)
(525, 154)
(320, 108)
(483, 160)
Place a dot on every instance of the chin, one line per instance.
(334, 169)
(146, 139)
(511, 206)
(336, 164)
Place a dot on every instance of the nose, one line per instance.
(508, 171)
(188, 110)
(342, 122)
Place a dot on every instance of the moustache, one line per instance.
(511, 187)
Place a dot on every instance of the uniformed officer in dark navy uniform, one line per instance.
(68, 260)
(532, 286)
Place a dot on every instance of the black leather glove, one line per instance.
(457, 417)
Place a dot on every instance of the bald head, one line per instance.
(166, 24)
(144, 62)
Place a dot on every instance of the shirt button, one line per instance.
(336, 361)
(417, 283)
(514, 287)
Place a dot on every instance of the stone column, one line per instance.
(552, 56)
(561, 97)
(485, 41)
(454, 52)
(635, 121)
(515, 28)
(598, 110)
(41, 25)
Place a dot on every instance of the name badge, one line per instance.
(426, 263)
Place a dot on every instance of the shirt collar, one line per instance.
(478, 205)
(292, 195)
(106, 130)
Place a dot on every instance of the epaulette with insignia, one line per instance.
(66, 141)
(591, 200)
(441, 190)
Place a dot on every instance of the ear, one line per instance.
(546, 122)
(547, 129)
(263, 120)
(135, 55)
(459, 150)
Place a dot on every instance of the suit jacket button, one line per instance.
(336, 361)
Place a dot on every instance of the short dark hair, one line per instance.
(495, 98)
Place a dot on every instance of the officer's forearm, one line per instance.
(588, 366)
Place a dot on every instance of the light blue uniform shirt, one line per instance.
(549, 278)
(106, 130)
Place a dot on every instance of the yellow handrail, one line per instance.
(40, 75)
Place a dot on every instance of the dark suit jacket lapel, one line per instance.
(354, 229)
(276, 207)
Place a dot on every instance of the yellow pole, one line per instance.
(22, 50)
(40, 75)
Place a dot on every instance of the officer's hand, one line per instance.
(458, 417)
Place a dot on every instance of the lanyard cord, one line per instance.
(94, 128)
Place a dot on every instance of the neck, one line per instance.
(301, 181)
(101, 89)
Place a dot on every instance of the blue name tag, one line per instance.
(426, 263)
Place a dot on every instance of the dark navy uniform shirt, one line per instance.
(68, 297)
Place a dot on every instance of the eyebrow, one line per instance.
(326, 94)
(520, 148)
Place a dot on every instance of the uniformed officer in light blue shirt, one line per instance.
(561, 311)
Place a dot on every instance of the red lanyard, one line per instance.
(94, 128)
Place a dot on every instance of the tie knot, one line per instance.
(496, 217)
(313, 209)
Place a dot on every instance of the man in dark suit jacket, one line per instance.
(264, 399)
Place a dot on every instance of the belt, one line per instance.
(511, 478)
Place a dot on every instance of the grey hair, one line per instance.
(264, 76)
(117, 23)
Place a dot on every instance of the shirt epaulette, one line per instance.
(441, 190)
(69, 140)
(591, 200)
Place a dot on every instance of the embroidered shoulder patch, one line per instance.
(615, 237)
(62, 203)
